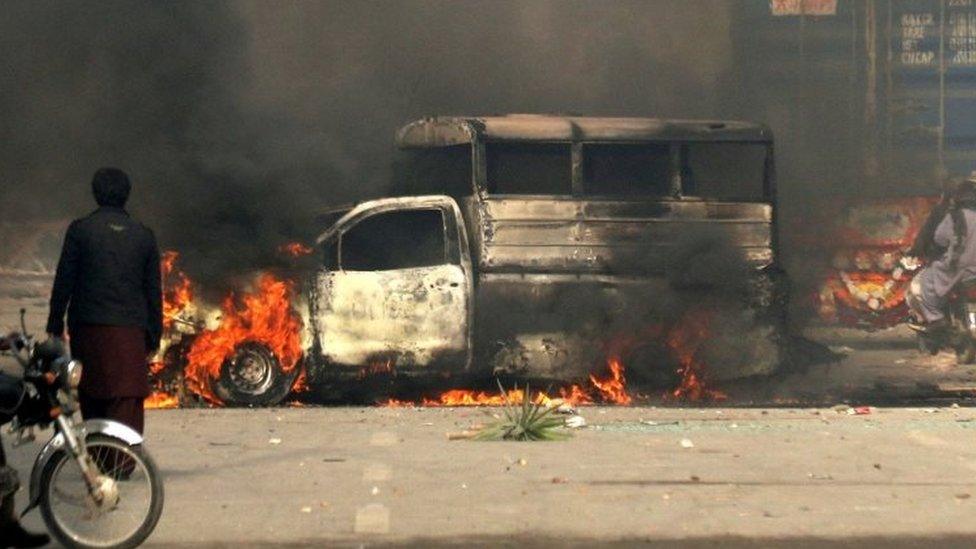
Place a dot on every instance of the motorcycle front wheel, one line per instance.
(129, 511)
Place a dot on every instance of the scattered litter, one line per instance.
(665, 496)
(819, 477)
(274, 441)
(428, 424)
(323, 504)
(901, 361)
(559, 480)
(375, 490)
(963, 496)
(575, 422)
(930, 410)
(463, 435)
(859, 411)
(306, 509)
(840, 408)
(687, 443)
(841, 349)
(954, 405)
(695, 478)
(464, 486)
(877, 466)
(522, 462)
(734, 426)
(650, 422)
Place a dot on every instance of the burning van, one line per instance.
(561, 242)
(544, 248)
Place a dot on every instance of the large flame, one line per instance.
(177, 297)
(177, 290)
(264, 316)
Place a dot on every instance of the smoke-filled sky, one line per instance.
(239, 120)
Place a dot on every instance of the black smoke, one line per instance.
(240, 121)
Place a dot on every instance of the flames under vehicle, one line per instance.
(544, 248)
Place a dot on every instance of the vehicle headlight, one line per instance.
(72, 374)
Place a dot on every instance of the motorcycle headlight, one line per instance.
(72, 374)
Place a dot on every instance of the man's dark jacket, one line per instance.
(108, 274)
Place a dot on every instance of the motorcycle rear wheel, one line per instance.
(75, 521)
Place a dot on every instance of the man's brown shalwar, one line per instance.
(115, 376)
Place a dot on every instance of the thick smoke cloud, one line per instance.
(240, 121)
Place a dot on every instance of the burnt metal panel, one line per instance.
(564, 235)
(453, 130)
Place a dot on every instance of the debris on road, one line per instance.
(687, 443)
(658, 423)
(576, 422)
(274, 441)
(859, 411)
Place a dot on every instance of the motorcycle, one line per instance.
(94, 482)
(958, 333)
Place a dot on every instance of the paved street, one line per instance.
(752, 477)
(321, 476)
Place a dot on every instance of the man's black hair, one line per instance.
(111, 187)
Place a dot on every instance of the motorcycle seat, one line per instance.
(11, 391)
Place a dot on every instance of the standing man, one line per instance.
(108, 280)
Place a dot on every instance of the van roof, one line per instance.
(445, 131)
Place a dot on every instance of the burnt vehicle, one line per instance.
(554, 243)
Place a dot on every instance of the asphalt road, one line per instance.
(674, 477)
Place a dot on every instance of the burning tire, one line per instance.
(253, 376)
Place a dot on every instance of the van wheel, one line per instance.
(253, 376)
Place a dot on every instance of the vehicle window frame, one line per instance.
(449, 238)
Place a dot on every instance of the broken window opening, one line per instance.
(626, 169)
(529, 168)
(402, 239)
(445, 170)
(724, 171)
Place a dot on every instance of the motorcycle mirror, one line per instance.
(23, 320)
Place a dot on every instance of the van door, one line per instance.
(398, 291)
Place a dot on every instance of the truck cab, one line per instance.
(543, 244)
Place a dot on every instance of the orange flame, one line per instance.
(265, 316)
(685, 339)
(159, 400)
(177, 290)
(295, 249)
(611, 390)
(301, 383)
(614, 388)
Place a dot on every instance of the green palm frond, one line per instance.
(526, 421)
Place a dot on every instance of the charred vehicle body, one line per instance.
(563, 240)
(539, 247)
